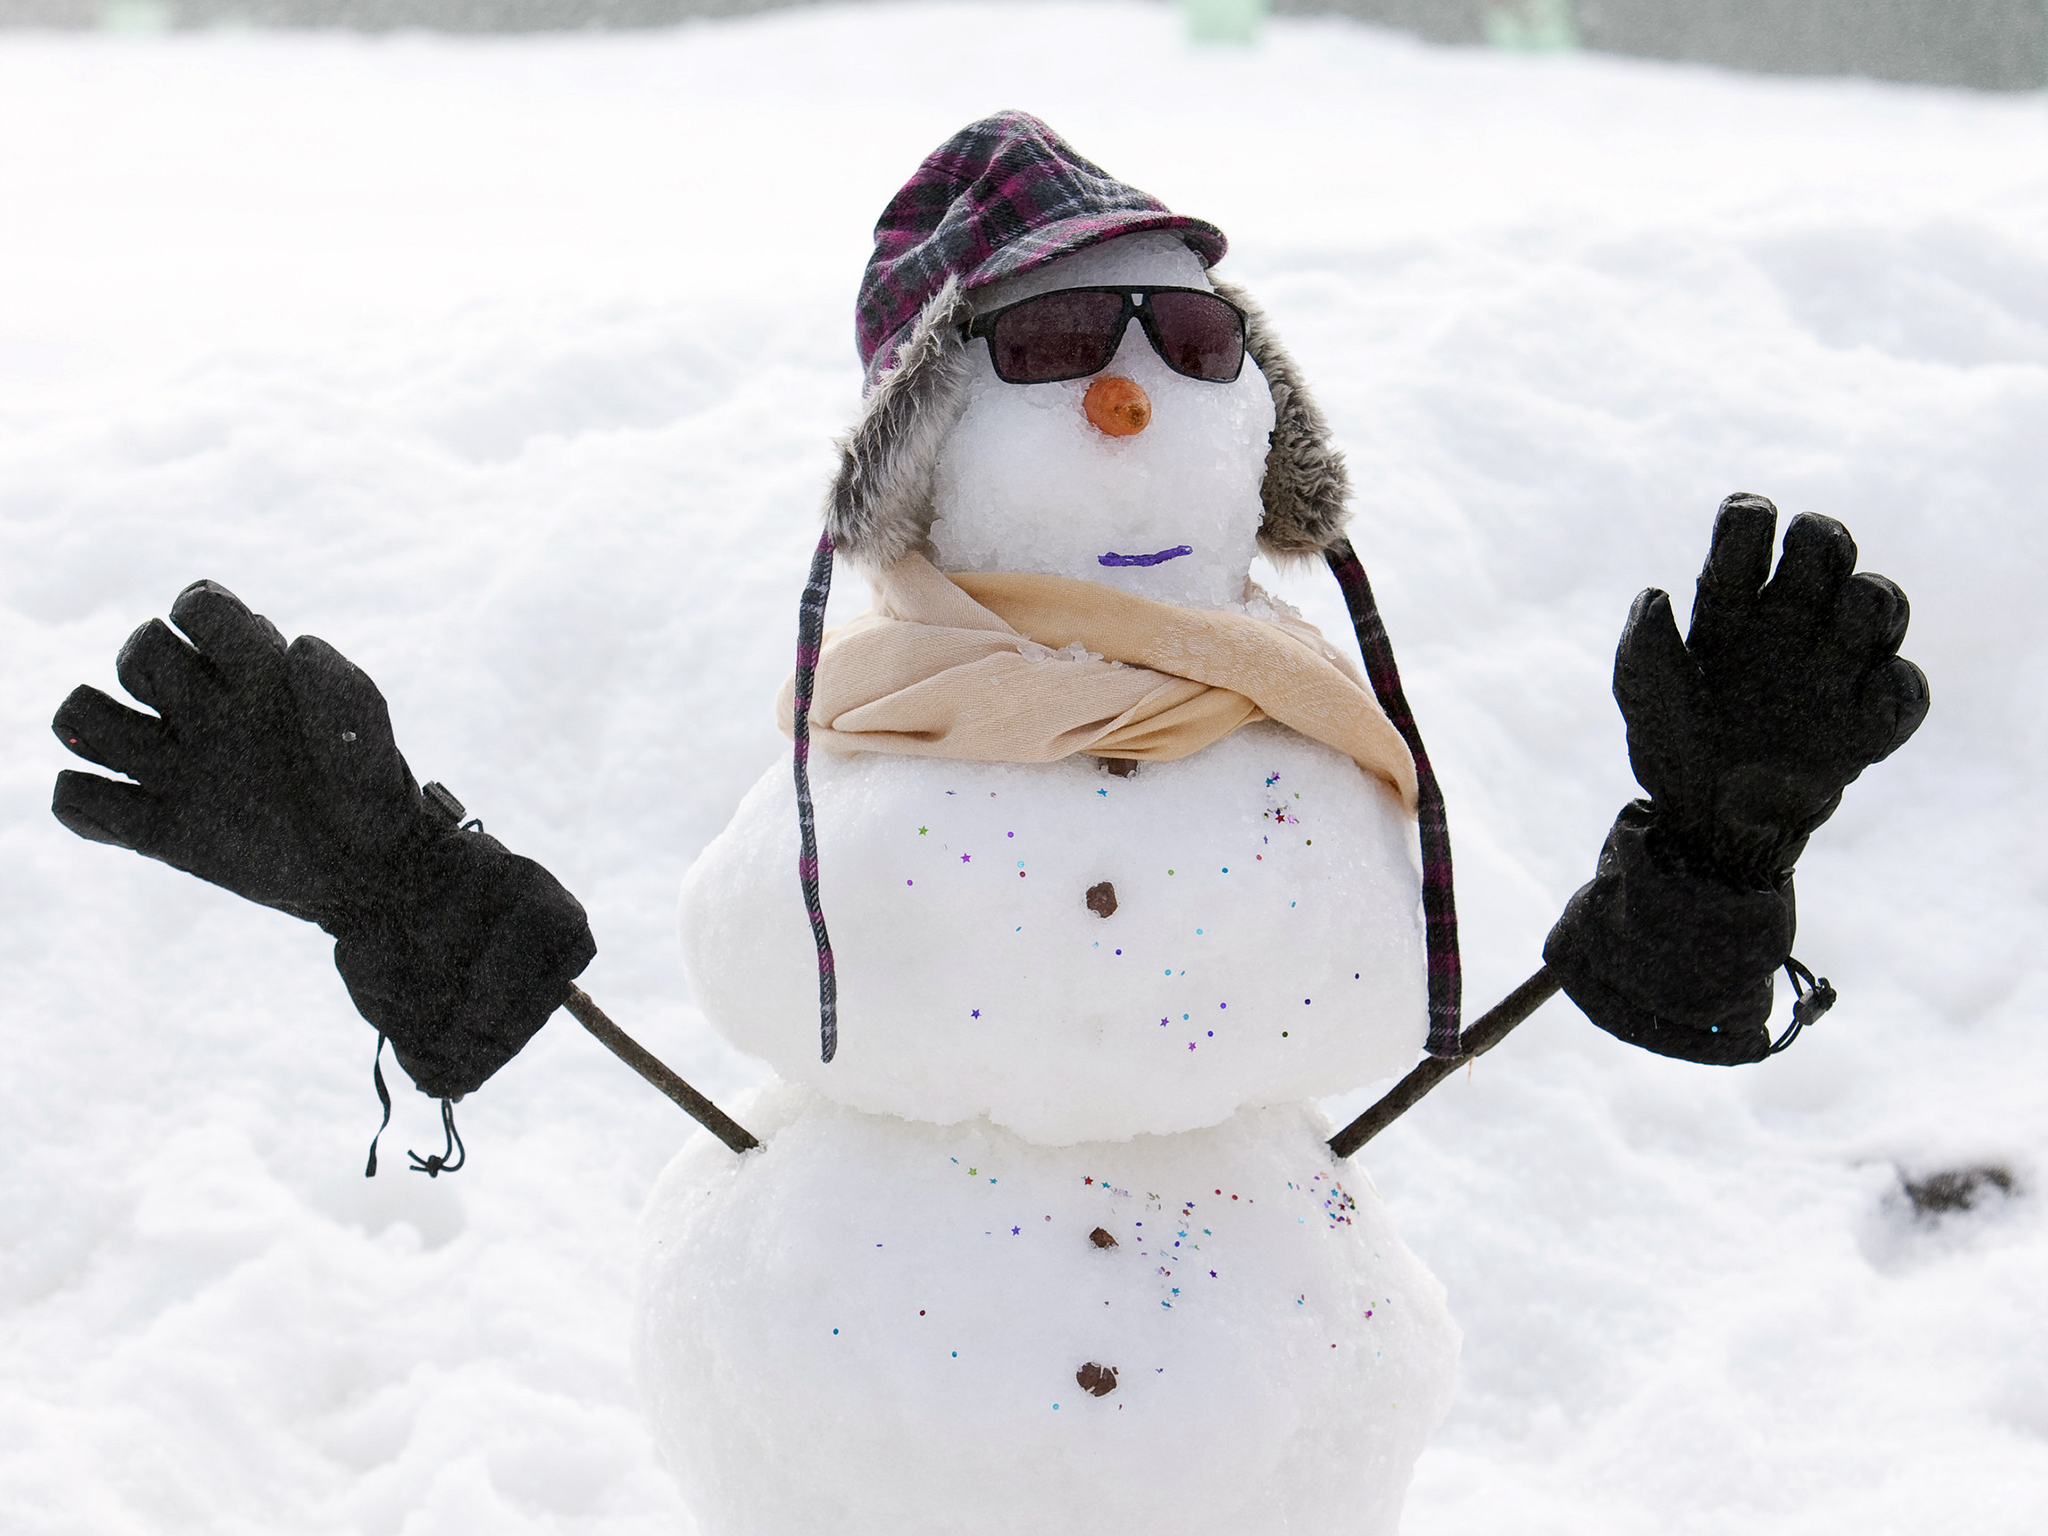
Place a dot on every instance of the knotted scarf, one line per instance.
(1007, 667)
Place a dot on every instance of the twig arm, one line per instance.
(650, 1066)
(1481, 1037)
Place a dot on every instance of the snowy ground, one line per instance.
(510, 367)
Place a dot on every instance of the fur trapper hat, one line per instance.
(1003, 197)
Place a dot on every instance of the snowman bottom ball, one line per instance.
(880, 1325)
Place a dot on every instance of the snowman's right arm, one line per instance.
(270, 769)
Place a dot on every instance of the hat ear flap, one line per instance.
(1306, 486)
(880, 506)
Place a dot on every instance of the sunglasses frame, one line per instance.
(1132, 293)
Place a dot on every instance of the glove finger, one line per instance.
(1900, 689)
(348, 726)
(1872, 616)
(1654, 683)
(1738, 562)
(107, 812)
(1651, 663)
(238, 642)
(1819, 555)
(161, 670)
(105, 731)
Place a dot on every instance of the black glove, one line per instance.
(1744, 734)
(271, 770)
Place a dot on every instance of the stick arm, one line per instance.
(1477, 1040)
(649, 1066)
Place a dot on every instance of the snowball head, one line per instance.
(872, 1325)
(1076, 956)
(1025, 483)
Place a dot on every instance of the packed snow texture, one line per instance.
(1265, 1323)
(1024, 483)
(1265, 943)
(511, 368)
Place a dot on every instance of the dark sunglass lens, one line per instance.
(1058, 336)
(1199, 335)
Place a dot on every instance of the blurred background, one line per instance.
(1993, 44)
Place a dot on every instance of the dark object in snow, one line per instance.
(1955, 1189)
(1102, 899)
(1101, 1238)
(1121, 767)
(1098, 1379)
(1744, 734)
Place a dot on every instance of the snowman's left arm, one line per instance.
(1744, 735)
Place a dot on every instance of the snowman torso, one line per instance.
(1053, 1241)
(1253, 936)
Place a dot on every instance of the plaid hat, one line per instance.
(1002, 197)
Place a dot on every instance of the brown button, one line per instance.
(1102, 899)
(1099, 1379)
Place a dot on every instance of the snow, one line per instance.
(511, 367)
(950, 1282)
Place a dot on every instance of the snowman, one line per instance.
(1121, 869)
(1108, 866)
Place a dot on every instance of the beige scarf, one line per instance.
(1012, 668)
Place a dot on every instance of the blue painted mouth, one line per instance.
(1161, 558)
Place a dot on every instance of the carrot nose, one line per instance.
(1117, 406)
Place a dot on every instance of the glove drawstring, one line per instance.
(384, 1094)
(1810, 999)
(440, 1163)
(447, 1160)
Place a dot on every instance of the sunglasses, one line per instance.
(1076, 331)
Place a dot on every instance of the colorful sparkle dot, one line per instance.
(1009, 834)
(910, 882)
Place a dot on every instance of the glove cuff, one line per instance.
(471, 951)
(1669, 958)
